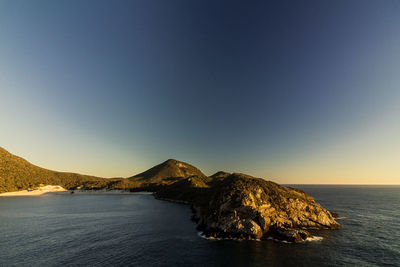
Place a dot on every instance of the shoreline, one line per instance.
(56, 189)
(37, 192)
(108, 192)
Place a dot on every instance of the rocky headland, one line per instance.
(224, 205)
(241, 206)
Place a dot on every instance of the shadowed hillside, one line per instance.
(18, 174)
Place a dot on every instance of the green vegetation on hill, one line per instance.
(220, 175)
(166, 173)
(18, 174)
(194, 190)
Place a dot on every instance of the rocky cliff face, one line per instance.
(241, 206)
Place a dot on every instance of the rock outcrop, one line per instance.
(241, 206)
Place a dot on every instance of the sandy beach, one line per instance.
(60, 190)
(37, 192)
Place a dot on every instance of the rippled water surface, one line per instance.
(104, 230)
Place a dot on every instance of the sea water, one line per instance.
(138, 230)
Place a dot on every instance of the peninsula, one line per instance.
(225, 205)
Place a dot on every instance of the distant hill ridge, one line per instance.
(167, 172)
(17, 174)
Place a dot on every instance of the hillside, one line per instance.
(18, 174)
(166, 173)
(220, 175)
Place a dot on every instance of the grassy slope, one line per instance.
(18, 174)
(166, 173)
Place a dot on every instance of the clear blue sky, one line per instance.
(293, 91)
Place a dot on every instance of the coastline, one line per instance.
(37, 192)
(56, 189)
(108, 192)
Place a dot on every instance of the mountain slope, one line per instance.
(167, 173)
(18, 174)
(220, 175)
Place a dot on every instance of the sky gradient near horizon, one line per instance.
(292, 91)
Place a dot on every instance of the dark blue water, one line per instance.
(104, 230)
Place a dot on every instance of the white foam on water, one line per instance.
(309, 239)
(208, 238)
(314, 238)
(202, 235)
